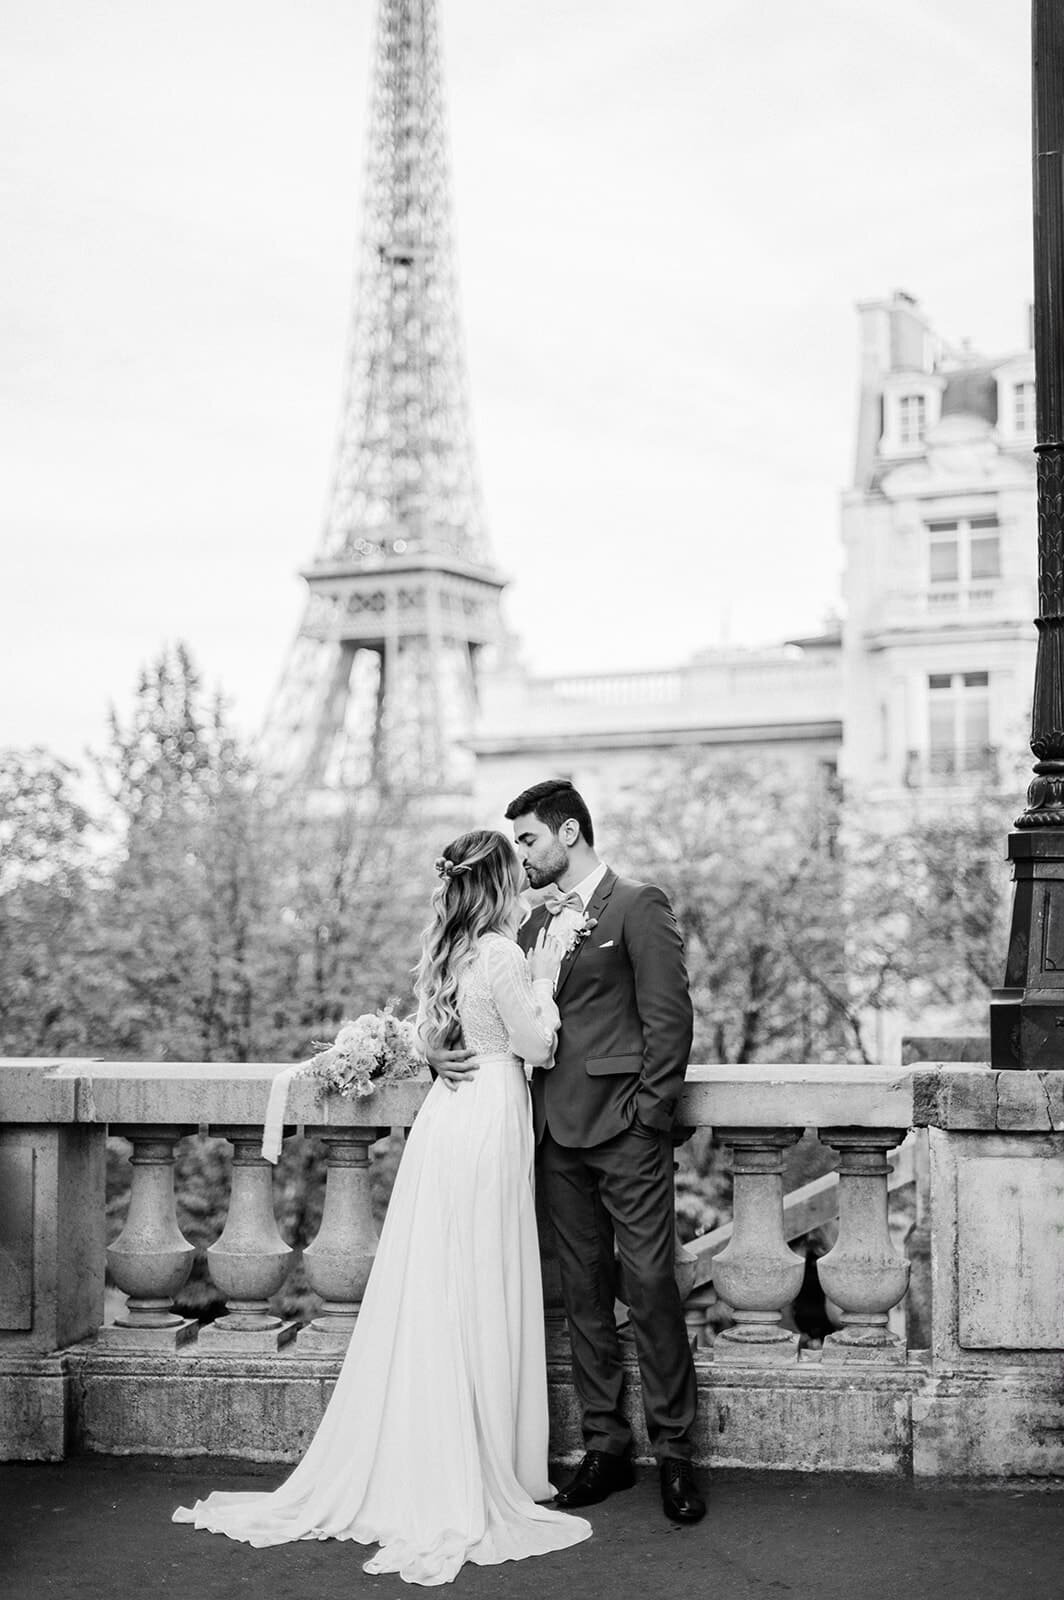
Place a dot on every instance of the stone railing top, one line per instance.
(798, 1095)
(187, 1093)
(932, 1094)
(976, 1099)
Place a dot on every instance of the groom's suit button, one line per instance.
(599, 1474)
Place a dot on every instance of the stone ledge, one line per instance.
(979, 1100)
(34, 1408)
(1007, 1426)
(186, 1093)
(798, 1095)
(810, 1418)
(267, 1410)
(29, 1091)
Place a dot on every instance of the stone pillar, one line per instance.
(338, 1262)
(862, 1274)
(249, 1260)
(52, 1242)
(151, 1258)
(756, 1274)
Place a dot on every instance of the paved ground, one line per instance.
(98, 1528)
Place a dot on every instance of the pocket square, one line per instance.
(607, 946)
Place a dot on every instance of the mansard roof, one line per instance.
(971, 391)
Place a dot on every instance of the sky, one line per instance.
(666, 211)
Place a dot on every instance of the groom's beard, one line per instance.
(550, 872)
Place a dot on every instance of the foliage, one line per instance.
(805, 916)
(749, 866)
(198, 915)
(47, 909)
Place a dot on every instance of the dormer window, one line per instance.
(912, 419)
(912, 402)
(1023, 407)
(1016, 419)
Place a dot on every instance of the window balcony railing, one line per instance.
(954, 1164)
(962, 597)
(931, 605)
(957, 767)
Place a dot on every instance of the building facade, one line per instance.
(940, 578)
(926, 683)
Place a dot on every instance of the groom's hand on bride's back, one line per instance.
(453, 1066)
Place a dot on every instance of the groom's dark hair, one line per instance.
(553, 802)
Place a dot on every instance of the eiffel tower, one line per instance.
(380, 687)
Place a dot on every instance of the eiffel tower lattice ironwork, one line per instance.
(380, 686)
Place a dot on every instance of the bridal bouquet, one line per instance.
(372, 1049)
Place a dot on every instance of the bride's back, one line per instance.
(483, 1030)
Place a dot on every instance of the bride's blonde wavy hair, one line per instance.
(480, 881)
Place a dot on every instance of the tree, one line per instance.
(963, 915)
(748, 862)
(186, 893)
(807, 914)
(352, 891)
(47, 877)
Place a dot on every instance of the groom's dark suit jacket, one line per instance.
(626, 1022)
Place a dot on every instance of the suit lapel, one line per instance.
(593, 910)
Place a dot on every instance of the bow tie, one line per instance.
(555, 901)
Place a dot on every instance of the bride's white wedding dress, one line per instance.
(434, 1443)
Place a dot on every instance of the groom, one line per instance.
(603, 1118)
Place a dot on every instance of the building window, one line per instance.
(958, 724)
(1023, 407)
(912, 418)
(984, 549)
(963, 561)
(944, 565)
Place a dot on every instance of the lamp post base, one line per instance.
(1027, 1013)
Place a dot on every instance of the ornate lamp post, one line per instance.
(1027, 1014)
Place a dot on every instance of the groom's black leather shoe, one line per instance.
(598, 1475)
(679, 1498)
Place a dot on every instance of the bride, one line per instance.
(434, 1444)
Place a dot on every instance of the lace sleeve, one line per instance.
(527, 1008)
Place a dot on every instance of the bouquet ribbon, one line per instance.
(276, 1107)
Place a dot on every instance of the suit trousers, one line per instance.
(623, 1190)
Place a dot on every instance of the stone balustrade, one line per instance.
(984, 1396)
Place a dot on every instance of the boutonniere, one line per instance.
(579, 932)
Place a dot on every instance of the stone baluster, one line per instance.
(757, 1275)
(862, 1274)
(338, 1262)
(151, 1258)
(249, 1259)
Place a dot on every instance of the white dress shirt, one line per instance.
(565, 922)
(587, 886)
